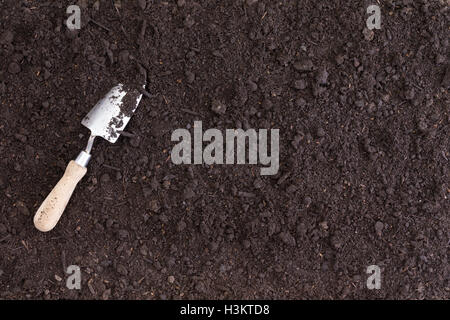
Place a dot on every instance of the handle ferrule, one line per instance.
(83, 159)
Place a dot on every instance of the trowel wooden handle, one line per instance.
(51, 209)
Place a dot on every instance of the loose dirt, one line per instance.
(364, 139)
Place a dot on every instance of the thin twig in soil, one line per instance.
(142, 63)
(115, 7)
(312, 42)
(100, 25)
(120, 19)
(190, 112)
(120, 204)
(63, 260)
(400, 104)
(111, 167)
(143, 69)
(127, 134)
(143, 30)
(146, 93)
(5, 238)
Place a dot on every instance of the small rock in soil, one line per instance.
(242, 94)
(218, 107)
(300, 102)
(410, 94)
(252, 86)
(190, 77)
(189, 193)
(258, 183)
(135, 141)
(154, 205)
(335, 242)
(181, 226)
(142, 4)
(200, 287)
(267, 104)
(189, 21)
(6, 37)
(105, 178)
(307, 201)
(368, 34)
(291, 188)
(28, 284)
(121, 269)
(22, 208)
(124, 57)
(340, 59)
(287, 238)
(20, 137)
(123, 234)
(324, 225)
(446, 78)
(320, 132)
(379, 227)
(163, 218)
(304, 65)
(322, 76)
(14, 68)
(300, 84)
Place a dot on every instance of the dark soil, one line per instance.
(364, 139)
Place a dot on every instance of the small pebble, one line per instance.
(154, 205)
(189, 22)
(124, 57)
(410, 94)
(339, 59)
(267, 104)
(379, 227)
(252, 86)
(6, 37)
(14, 68)
(142, 4)
(105, 178)
(287, 238)
(300, 102)
(181, 226)
(190, 77)
(300, 84)
(218, 107)
(121, 269)
(320, 132)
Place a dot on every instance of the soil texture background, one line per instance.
(364, 149)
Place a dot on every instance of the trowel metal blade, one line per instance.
(111, 114)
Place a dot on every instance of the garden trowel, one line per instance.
(107, 120)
